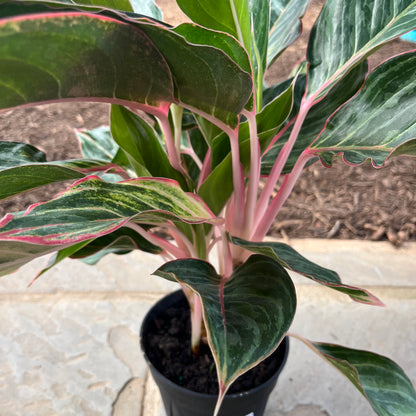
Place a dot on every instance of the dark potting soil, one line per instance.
(169, 350)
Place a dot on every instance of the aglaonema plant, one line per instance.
(193, 130)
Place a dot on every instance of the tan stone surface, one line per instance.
(69, 344)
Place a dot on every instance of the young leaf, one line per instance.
(141, 144)
(97, 144)
(378, 120)
(61, 255)
(381, 381)
(285, 25)
(260, 19)
(203, 36)
(230, 16)
(292, 260)
(336, 48)
(91, 208)
(257, 302)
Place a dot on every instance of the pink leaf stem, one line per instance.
(254, 176)
(205, 169)
(173, 153)
(181, 240)
(225, 258)
(238, 182)
(277, 202)
(280, 163)
(158, 241)
(196, 322)
(280, 134)
(110, 168)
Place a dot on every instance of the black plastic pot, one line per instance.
(179, 401)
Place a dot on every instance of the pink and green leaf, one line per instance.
(379, 121)
(257, 302)
(381, 381)
(334, 49)
(71, 55)
(92, 208)
(146, 7)
(292, 260)
(68, 55)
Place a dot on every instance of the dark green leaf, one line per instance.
(14, 181)
(292, 260)
(204, 77)
(120, 241)
(77, 61)
(378, 120)
(111, 57)
(381, 381)
(23, 167)
(257, 303)
(348, 31)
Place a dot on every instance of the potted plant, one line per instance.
(193, 130)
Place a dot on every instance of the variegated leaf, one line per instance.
(378, 121)
(348, 31)
(285, 25)
(381, 381)
(257, 302)
(92, 208)
(292, 260)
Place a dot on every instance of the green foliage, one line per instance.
(192, 129)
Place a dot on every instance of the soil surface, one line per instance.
(164, 345)
(340, 202)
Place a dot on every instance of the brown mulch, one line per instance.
(340, 202)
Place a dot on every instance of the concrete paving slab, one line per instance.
(69, 343)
